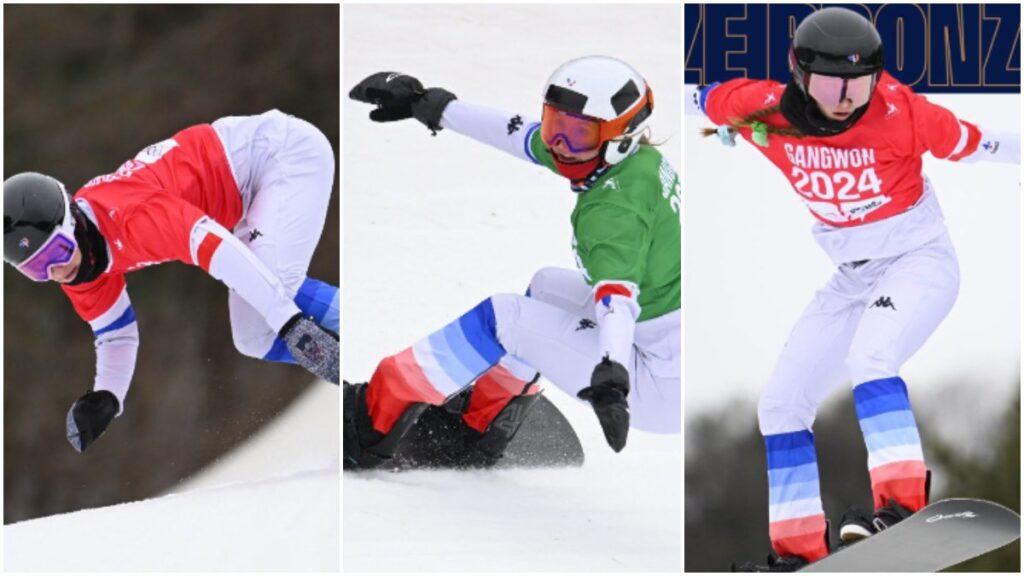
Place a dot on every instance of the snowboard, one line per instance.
(938, 536)
(440, 440)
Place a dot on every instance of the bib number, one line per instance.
(841, 185)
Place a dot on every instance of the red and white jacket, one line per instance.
(865, 186)
(177, 200)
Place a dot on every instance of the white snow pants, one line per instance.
(284, 169)
(862, 326)
(555, 332)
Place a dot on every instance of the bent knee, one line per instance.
(253, 345)
(507, 311)
(540, 280)
(314, 141)
(780, 414)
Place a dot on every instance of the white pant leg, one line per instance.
(849, 333)
(554, 342)
(811, 364)
(913, 293)
(284, 168)
(560, 287)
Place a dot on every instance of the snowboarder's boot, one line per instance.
(451, 443)
(778, 563)
(364, 446)
(855, 525)
(774, 564)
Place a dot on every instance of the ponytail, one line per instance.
(753, 120)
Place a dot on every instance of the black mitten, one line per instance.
(609, 386)
(89, 417)
(399, 96)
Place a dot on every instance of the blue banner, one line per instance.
(930, 47)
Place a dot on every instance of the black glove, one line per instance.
(609, 386)
(89, 416)
(399, 96)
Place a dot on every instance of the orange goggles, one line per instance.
(582, 133)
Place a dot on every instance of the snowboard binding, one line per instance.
(776, 563)
(855, 525)
(442, 439)
(364, 447)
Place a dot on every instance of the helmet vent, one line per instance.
(565, 99)
(625, 97)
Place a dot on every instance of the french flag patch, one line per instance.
(604, 293)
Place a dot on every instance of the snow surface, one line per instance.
(287, 524)
(435, 224)
(271, 504)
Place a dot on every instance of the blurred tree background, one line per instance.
(86, 88)
(727, 485)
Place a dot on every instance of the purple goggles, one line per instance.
(59, 249)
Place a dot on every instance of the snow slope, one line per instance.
(305, 436)
(289, 523)
(271, 504)
(434, 225)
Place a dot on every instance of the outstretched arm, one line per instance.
(940, 132)
(107, 308)
(507, 132)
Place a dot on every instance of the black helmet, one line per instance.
(35, 205)
(835, 42)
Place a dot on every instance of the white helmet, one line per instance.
(607, 90)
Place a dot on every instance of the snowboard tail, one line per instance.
(938, 536)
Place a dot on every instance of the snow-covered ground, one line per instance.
(284, 524)
(435, 224)
(271, 504)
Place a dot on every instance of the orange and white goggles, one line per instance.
(582, 133)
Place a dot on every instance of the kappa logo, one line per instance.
(940, 517)
(883, 302)
(119, 245)
(570, 81)
(586, 324)
(392, 76)
(514, 124)
(892, 87)
(991, 146)
(853, 58)
(891, 110)
(769, 99)
(254, 235)
(611, 183)
(24, 243)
